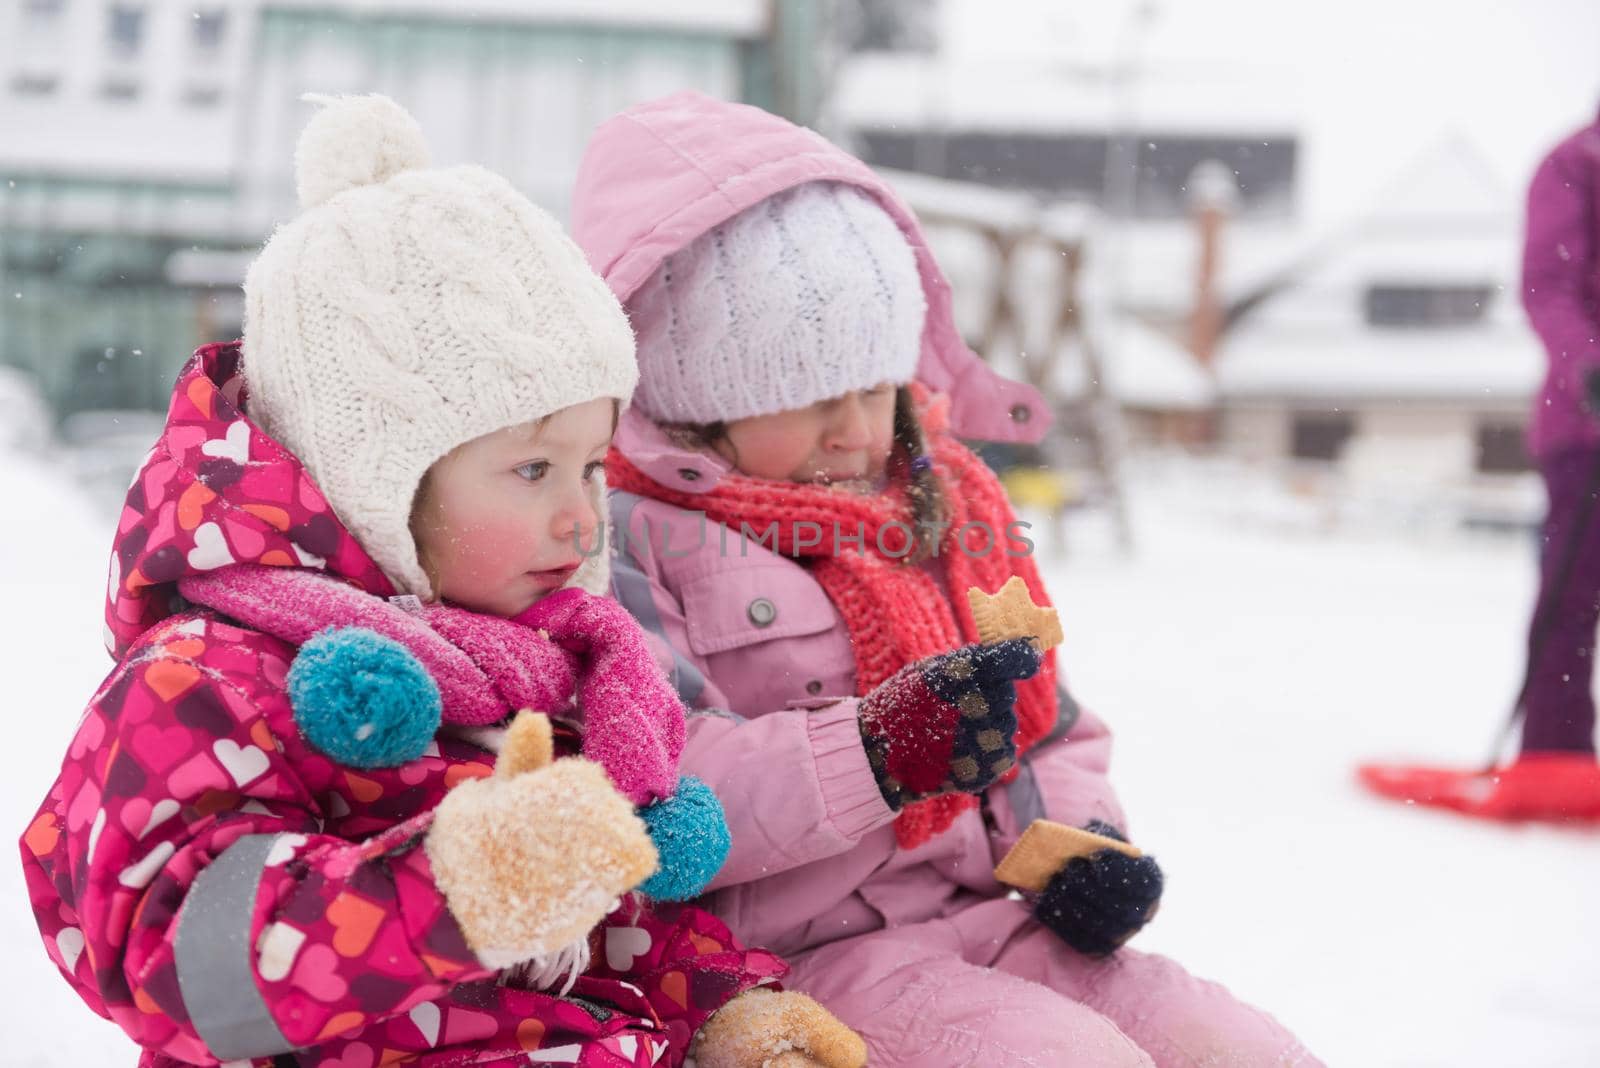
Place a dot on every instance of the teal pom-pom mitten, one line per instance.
(691, 837)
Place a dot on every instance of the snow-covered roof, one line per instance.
(1497, 365)
(940, 198)
(1443, 220)
(742, 18)
(1157, 261)
(1449, 182)
(157, 134)
(1444, 216)
(922, 91)
(1145, 368)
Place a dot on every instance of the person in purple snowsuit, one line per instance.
(1555, 775)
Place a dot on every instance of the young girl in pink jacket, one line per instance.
(797, 523)
(281, 834)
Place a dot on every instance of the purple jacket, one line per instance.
(1561, 288)
(756, 648)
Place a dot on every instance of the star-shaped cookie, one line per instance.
(1009, 612)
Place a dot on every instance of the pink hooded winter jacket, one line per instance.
(920, 950)
(757, 648)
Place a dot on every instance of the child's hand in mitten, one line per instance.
(764, 1027)
(948, 723)
(533, 857)
(1096, 903)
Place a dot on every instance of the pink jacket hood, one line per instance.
(660, 174)
(216, 492)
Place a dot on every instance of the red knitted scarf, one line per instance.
(896, 612)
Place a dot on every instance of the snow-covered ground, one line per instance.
(53, 546)
(1245, 673)
(1246, 664)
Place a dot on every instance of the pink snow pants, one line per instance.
(988, 986)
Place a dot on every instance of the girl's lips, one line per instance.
(556, 575)
(840, 476)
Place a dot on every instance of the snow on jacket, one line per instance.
(754, 643)
(200, 874)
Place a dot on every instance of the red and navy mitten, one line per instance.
(946, 724)
(1096, 903)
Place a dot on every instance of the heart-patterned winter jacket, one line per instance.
(226, 893)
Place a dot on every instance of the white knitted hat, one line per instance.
(808, 295)
(407, 311)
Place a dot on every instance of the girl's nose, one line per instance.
(849, 430)
(576, 520)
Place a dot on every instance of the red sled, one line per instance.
(1553, 787)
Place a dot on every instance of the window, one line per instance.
(890, 26)
(1074, 165)
(34, 84)
(1502, 449)
(124, 29)
(1426, 306)
(40, 26)
(209, 29)
(200, 95)
(1320, 435)
(120, 90)
(42, 12)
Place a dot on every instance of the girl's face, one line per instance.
(507, 518)
(844, 439)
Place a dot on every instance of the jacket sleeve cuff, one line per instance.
(430, 926)
(850, 794)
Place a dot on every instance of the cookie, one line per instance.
(1044, 849)
(1009, 612)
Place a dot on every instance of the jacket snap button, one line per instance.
(688, 474)
(762, 612)
(814, 687)
(1021, 413)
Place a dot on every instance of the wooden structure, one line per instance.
(1030, 325)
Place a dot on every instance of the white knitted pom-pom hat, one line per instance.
(408, 310)
(805, 296)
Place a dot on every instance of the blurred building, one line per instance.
(1396, 348)
(146, 145)
(1388, 354)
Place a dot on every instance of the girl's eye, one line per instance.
(534, 470)
(880, 390)
(593, 469)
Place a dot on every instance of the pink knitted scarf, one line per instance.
(570, 644)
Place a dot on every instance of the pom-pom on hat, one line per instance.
(408, 310)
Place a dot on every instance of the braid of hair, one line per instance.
(696, 435)
(929, 509)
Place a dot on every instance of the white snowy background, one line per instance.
(1246, 658)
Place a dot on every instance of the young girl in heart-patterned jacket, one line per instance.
(280, 835)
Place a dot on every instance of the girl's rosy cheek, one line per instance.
(495, 541)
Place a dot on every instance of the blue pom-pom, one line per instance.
(691, 838)
(363, 699)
